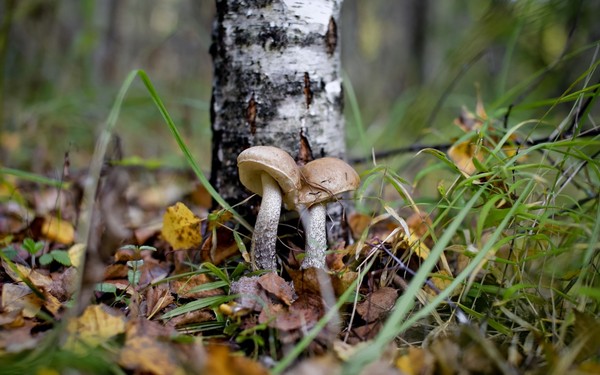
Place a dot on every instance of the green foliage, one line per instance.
(60, 256)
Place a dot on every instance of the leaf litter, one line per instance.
(170, 311)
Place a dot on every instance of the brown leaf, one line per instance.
(217, 249)
(377, 304)
(222, 362)
(148, 350)
(181, 228)
(303, 313)
(278, 287)
(157, 298)
(182, 287)
(197, 316)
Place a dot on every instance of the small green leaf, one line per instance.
(133, 277)
(106, 288)
(46, 259)
(61, 256)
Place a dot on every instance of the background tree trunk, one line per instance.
(276, 82)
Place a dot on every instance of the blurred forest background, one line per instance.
(410, 66)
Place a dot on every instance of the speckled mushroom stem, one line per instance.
(316, 237)
(265, 229)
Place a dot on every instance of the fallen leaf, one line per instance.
(220, 361)
(95, 326)
(377, 304)
(278, 287)
(192, 317)
(181, 228)
(20, 298)
(58, 230)
(148, 350)
(462, 155)
(416, 361)
(440, 280)
(183, 287)
(157, 298)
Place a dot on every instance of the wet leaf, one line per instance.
(181, 228)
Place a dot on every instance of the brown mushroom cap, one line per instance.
(256, 160)
(325, 178)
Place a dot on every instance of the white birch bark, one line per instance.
(276, 82)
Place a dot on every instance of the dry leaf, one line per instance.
(183, 286)
(377, 304)
(95, 326)
(416, 361)
(278, 287)
(58, 230)
(157, 298)
(181, 228)
(462, 155)
(147, 349)
(222, 362)
(20, 298)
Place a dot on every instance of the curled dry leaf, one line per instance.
(181, 228)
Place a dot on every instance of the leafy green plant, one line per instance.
(32, 248)
(60, 256)
(134, 273)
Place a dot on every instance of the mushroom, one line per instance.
(322, 180)
(273, 174)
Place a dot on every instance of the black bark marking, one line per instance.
(331, 37)
(308, 94)
(251, 114)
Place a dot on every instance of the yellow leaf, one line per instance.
(416, 361)
(58, 230)
(181, 228)
(76, 254)
(462, 155)
(95, 326)
(17, 297)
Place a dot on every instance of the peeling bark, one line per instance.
(276, 82)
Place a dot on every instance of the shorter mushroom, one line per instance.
(273, 174)
(322, 181)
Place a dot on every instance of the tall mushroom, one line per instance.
(322, 180)
(273, 174)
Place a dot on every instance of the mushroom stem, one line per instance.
(265, 229)
(316, 237)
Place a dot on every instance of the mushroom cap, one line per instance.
(256, 160)
(323, 179)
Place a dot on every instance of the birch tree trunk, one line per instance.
(276, 82)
